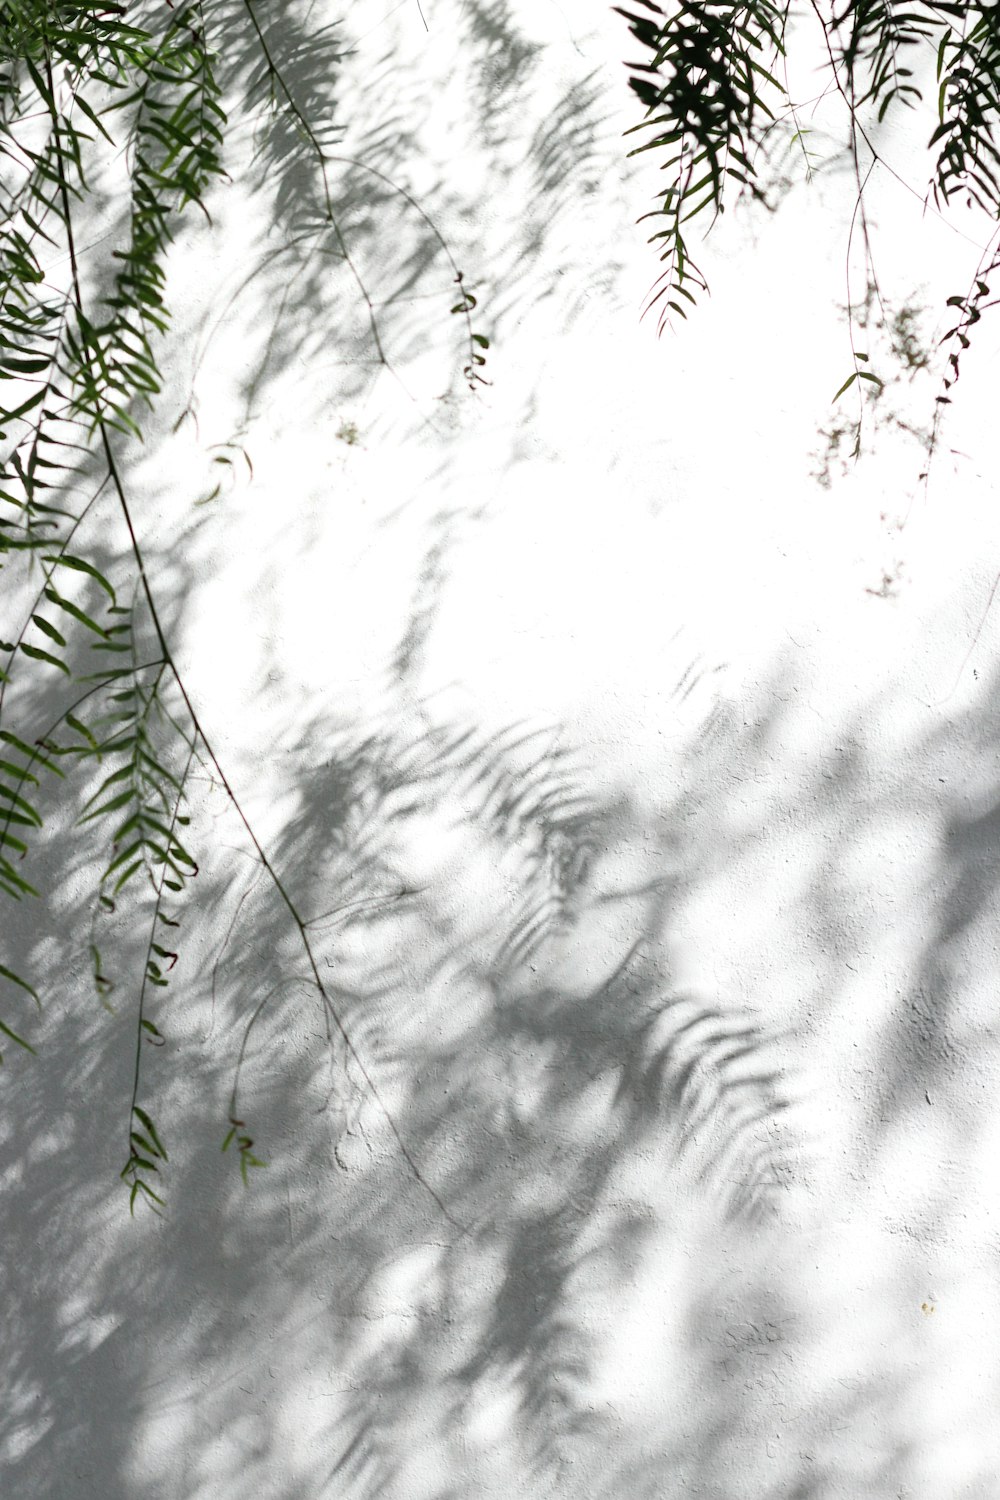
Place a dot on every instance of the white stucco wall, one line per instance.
(651, 845)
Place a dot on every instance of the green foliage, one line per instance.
(712, 84)
(92, 366)
(87, 96)
(244, 1148)
(708, 97)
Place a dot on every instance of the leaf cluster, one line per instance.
(88, 94)
(709, 86)
(75, 367)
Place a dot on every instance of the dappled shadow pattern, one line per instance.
(588, 1124)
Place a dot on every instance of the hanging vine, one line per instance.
(713, 85)
(80, 365)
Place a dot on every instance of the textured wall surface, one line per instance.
(642, 795)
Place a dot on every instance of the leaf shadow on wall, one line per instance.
(562, 1124)
(524, 1104)
(494, 932)
(484, 1069)
(347, 279)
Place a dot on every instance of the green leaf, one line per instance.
(13, 883)
(21, 983)
(78, 727)
(131, 823)
(126, 875)
(16, 800)
(138, 1139)
(160, 771)
(80, 565)
(81, 103)
(13, 818)
(112, 806)
(9, 1031)
(30, 754)
(144, 1187)
(24, 408)
(37, 654)
(144, 1120)
(846, 385)
(109, 781)
(122, 858)
(246, 1162)
(74, 609)
(49, 630)
(103, 983)
(24, 366)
